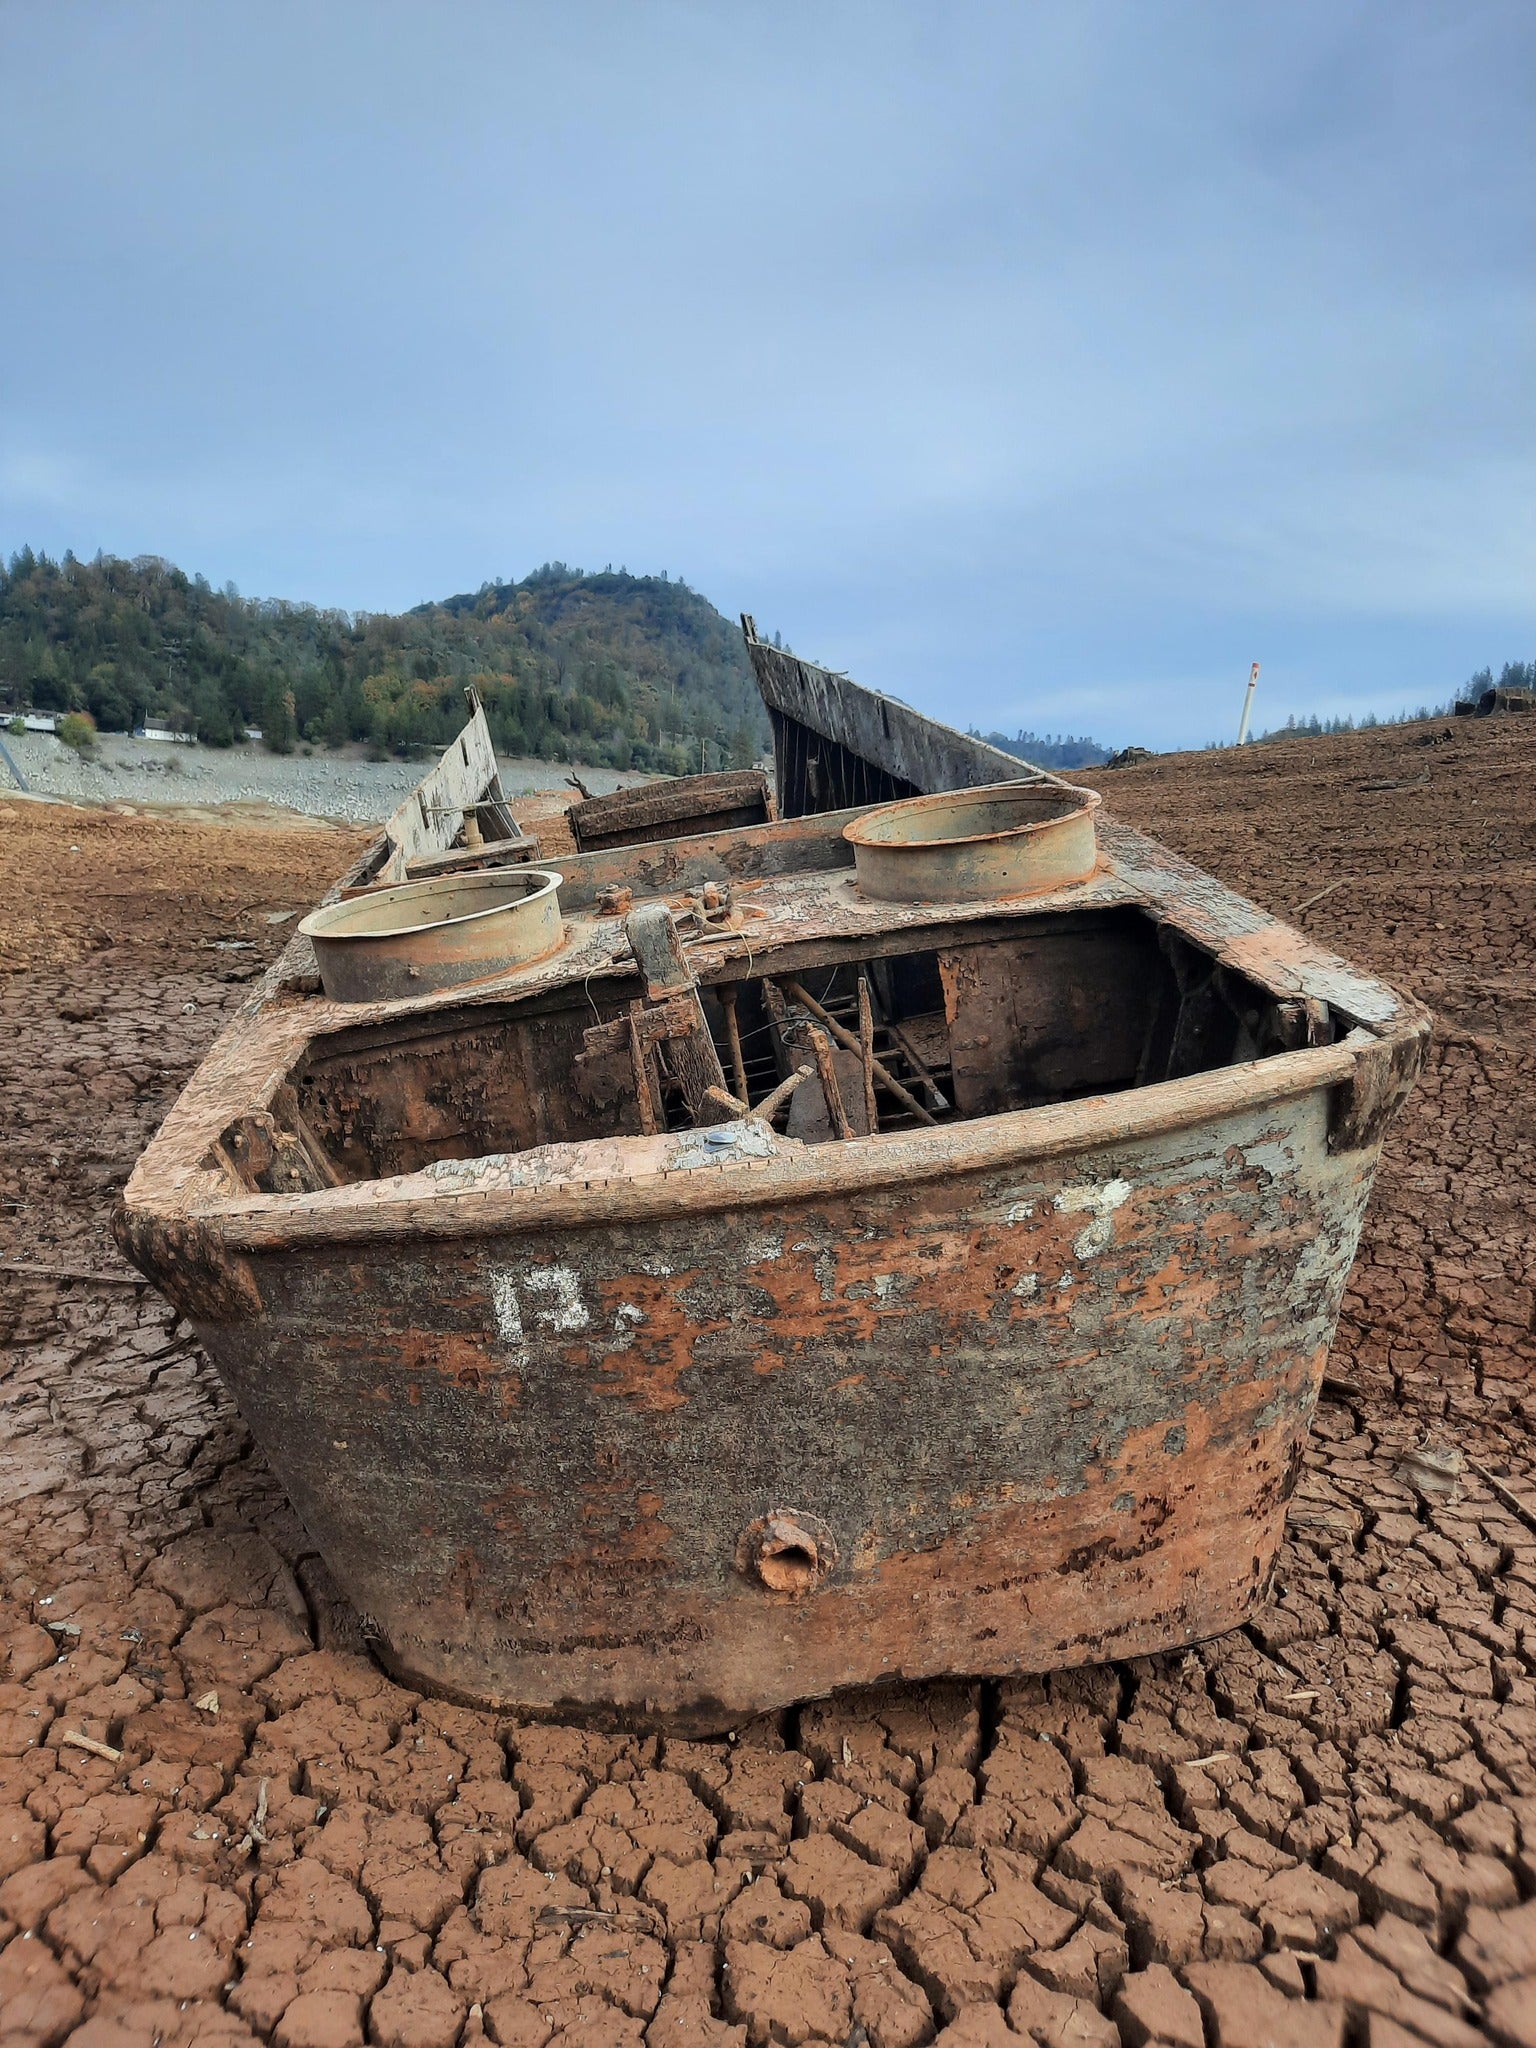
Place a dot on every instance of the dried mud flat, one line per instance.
(1317, 1831)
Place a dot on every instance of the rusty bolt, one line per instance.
(787, 1550)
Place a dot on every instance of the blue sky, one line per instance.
(1042, 364)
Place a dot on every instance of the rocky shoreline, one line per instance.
(343, 785)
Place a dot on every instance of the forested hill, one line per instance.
(621, 670)
(1059, 750)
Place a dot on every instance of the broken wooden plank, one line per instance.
(867, 1053)
(826, 1073)
(432, 815)
(1307, 902)
(38, 1271)
(664, 969)
(722, 1099)
(776, 1098)
(661, 1020)
(797, 993)
(690, 805)
(73, 1739)
(651, 1120)
(493, 853)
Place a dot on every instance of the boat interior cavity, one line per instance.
(1063, 1006)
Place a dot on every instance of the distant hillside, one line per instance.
(626, 671)
(1516, 675)
(1057, 751)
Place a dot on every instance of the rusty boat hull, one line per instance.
(675, 1426)
(1049, 1408)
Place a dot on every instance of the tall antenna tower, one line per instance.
(1253, 684)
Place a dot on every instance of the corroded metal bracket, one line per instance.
(788, 1550)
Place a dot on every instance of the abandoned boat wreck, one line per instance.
(901, 1237)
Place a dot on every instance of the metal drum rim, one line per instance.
(317, 925)
(858, 833)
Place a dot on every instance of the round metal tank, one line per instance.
(417, 937)
(966, 845)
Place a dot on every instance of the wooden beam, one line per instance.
(845, 1037)
(727, 994)
(432, 816)
(867, 1053)
(664, 969)
(826, 1073)
(776, 1098)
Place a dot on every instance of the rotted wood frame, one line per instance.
(838, 744)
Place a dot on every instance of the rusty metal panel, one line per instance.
(1023, 1012)
(1047, 1415)
(420, 1096)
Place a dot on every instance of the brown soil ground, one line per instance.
(1317, 1831)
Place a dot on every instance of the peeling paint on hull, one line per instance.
(1015, 1482)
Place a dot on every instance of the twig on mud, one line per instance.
(73, 1273)
(73, 1739)
(1504, 1495)
(1307, 902)
(1200, 1763)
(634, 1918)
(253, 1833)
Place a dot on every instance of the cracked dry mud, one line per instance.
(1320, 1830)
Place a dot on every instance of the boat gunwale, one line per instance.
(416, 1205)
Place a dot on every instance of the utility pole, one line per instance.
(1253, 684)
